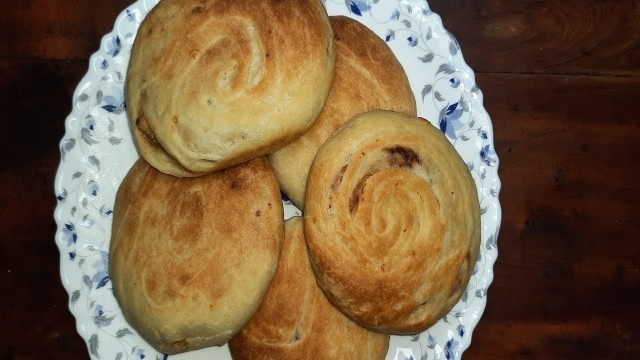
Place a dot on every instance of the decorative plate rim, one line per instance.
(451, 100)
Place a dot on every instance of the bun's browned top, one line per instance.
(191, 258)
(367, 76)
(392, 222)
(212, 83)
(296, 321)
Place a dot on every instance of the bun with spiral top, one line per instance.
(367, 76)
(213, 83)
(392, 222)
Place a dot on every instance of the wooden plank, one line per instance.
(567, 279)
(546, 36)
(527, 36)
(35, 98)
(56, 29)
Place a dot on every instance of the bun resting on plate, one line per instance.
(392, 222)
(191, 258)
(213, 83)
(367, 76)
(295, 320)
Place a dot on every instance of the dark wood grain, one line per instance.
(567, 276)
(557, 37)
(560, 80)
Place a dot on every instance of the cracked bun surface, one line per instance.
(191, 258)
(213, 83)
(392, 221)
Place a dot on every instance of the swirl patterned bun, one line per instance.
(191, 258)
(213, 83)
(392, 222)
(295, 320)
(367, 76)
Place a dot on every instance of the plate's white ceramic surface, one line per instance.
(97, 151)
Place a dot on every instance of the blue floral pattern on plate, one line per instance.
(97, 151)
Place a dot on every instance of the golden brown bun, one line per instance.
(191, 258)
(367, 76)
(213, 83)
(295, 320)
(392, 222)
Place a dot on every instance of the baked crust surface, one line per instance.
(367, 76)
(213, 83)
(392, 221)
(191, 258)
(296, 321)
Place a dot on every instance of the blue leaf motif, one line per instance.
(100, 318)
(131, 16)
(94, 161)
(114, 46)
(63, 195)
(67, 145)
(115, 102)
(412, 40)
(72, 255)
(103, 282)
(123, 332)
(87, 136)
(92, 188)
(94, 345)
(390, 35)
(101, 277)
(104, 64)
(431, 343)
(139, 354)
(452, 349)
(69, 234)
(426, 90)
(427, 58)
(450, 121)
(447, 69)
(110, 108)
(455, 82)
(358, 6)
(488, 155)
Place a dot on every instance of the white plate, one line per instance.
(97, 151)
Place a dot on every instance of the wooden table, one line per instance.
(561, 80)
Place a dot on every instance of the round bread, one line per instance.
(367, 76)
(295, 320)
(191, 258)
(392, 222)
(213, 83)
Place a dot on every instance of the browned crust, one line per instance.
(191, 258)
(295, 320)
(394, 244)
(367, 76)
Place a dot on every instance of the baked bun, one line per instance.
(295, 320)
(392, 222)
(367, 76)
(213, 83)
(191, 258)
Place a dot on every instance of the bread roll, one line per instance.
(392, 222)
(295, 320)
(191, 258)
(367, 76)
(213, 83)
